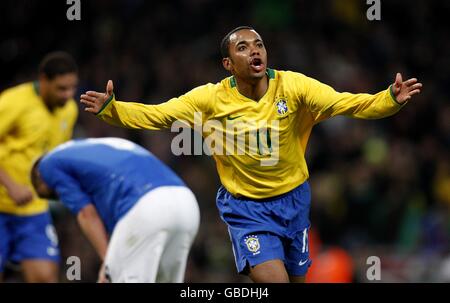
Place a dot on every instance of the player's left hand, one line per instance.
(403, 91)
(102, 275)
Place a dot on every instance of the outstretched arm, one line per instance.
(324, 102)
(144, 116)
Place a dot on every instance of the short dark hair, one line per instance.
(224, 45)
(57, 63)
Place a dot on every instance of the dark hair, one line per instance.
(224, 45)
(34, 172)
(57, 63)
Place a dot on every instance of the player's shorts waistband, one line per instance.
(269, 199)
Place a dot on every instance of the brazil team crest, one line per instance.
(252, 243)
(282, 107)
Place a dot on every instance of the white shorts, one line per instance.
(151, 242)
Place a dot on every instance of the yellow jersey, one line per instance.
(292, 105)
(27, 130)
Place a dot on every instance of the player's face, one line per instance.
(248, 55)
(60, 89)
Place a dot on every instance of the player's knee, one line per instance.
(273, 277)
(44, 274)
(297, 279)
(47, 277)
(43, 277)
(272, 271)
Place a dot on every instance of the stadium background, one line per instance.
(380, 188)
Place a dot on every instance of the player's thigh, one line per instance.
(272, 271)
(174, 258)
(36, 248)
(251, 249)
(182, 231)
(297, 255)
(39, 271)
(134, 256)
(135, 265)
(5, 241)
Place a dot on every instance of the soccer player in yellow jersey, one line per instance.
(34, 118)
(265, 204)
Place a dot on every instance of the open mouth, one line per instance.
(257, 64)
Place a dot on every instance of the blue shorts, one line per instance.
(27, 237)
(273, 228)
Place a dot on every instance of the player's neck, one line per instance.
(44, 95)
(254, 90)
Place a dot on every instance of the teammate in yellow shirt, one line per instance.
(34, 118)
(265, 197)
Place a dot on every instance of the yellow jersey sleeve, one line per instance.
(10, 110)
(324, 102)
(144, 116)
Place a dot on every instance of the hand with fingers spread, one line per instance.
(403, 91)
(94, 101)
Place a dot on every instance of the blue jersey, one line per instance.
(110, 173)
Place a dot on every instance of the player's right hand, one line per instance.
(94, 101)
(20, 194)
(102, 275)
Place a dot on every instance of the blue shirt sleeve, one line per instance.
(58, 178)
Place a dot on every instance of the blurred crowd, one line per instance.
(379, 187)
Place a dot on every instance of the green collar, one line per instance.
(36, 87)
(269, 72)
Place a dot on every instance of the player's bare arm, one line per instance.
(92, 225)
(94, 101)
(20, 194)
(404, 90)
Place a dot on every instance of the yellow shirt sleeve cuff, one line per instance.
(391, 93)
(107, 103)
